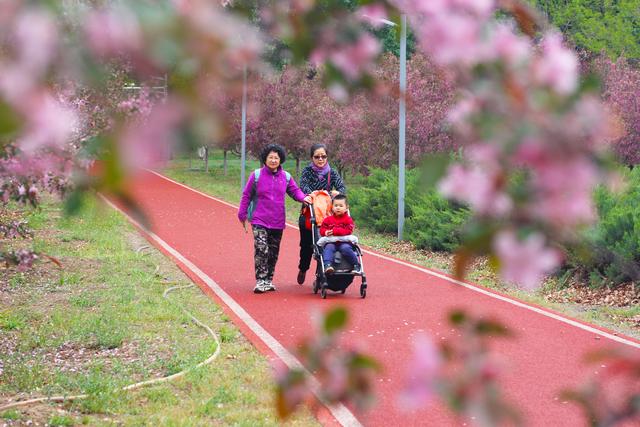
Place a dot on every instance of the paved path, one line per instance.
(206, 240)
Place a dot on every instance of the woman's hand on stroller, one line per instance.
(308, 199)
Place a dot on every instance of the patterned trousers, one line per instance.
(266, 244)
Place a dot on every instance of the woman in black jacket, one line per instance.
(318, 175)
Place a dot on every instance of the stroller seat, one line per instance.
(343, 274)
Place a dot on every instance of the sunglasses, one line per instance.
(320, 157)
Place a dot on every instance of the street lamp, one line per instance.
(402, 122)
(243, 144)
(402, 118)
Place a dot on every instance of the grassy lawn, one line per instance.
(100, 323)
(597, 308)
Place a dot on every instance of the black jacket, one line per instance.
(309, 181)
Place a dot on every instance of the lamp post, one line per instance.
(243, 144)
(402, 118)
(402, 123)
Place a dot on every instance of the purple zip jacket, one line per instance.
(270, 208)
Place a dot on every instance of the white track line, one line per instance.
(457, 282)
(340, 412)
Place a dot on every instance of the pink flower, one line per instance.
(558, 66)
(356, 58)
(477, 187)
(49, 124)
(373, 14)
(37, 37)
(452, 39)
(506, 45)
(338, 92)
(524, 262)
(337, 378)
(564, 192)
(146, 143)
(15, 83)
(423, 371)
(113, 32)
(459, 113)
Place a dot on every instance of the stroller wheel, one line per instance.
(315, 286)
(342, 291)
(323, 293)
(363, 290)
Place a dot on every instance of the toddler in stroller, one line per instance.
(336, 250)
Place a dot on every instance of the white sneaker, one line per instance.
(269, 286)
(260, 288)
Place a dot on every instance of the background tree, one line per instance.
(597, 25)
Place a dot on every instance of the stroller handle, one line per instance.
(312, 212)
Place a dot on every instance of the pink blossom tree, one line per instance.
(621, 91)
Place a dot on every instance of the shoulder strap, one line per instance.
(256, 175)
(329, 180)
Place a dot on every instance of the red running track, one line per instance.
(206, 240)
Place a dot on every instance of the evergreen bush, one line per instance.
(432, 222)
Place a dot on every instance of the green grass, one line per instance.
(11, 415)
(105, 307)
(227, 187)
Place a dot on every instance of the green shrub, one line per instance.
(431, 222)
(613, 253)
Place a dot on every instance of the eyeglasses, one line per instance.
(320, 157)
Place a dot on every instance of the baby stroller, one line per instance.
(342, 276)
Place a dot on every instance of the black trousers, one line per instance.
(306, 245)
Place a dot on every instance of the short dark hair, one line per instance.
(341, 197)
(273, 148)
(315, 147)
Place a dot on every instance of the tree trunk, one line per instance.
(206, 159)
(224, 162)
(190, 156)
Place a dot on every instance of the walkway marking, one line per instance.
(340, 412)
(452, 280)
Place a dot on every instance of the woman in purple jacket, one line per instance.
(263, 205)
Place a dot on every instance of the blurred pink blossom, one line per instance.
(356, 58)
(37, 37)
(477, 187)
(113, 32)
(505, 45)
(423, 371)
(450, 30)
(15, 83)
(564, 192)
(558, 66)
(452, 39)
(524, 262)
(50, 124)
(147, 142)
(373, 14)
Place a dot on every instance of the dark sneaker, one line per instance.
(357, 269)
(260, 287)
(301, 275)
(328, 269)
(269, 286)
